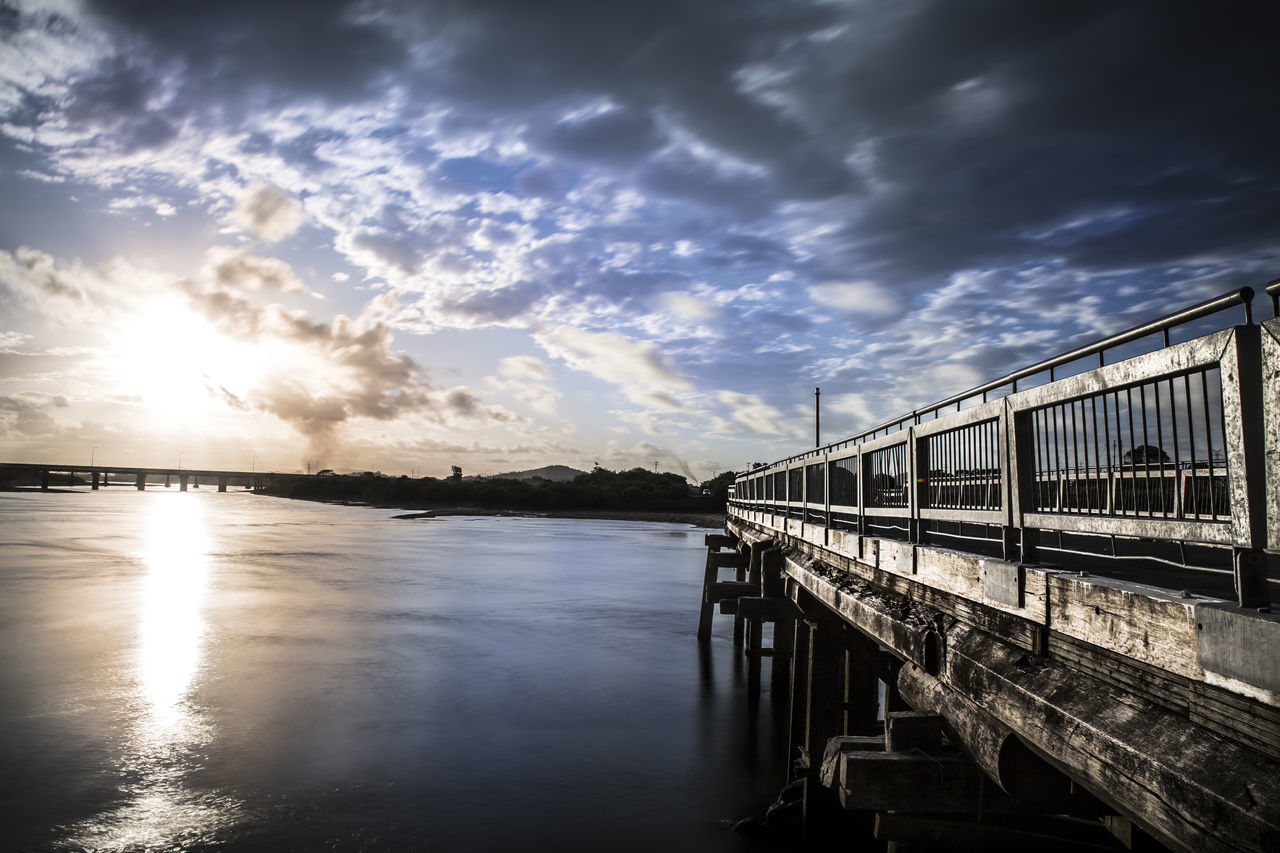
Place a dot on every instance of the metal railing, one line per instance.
(1170, 445)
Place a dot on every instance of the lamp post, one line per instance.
(92, 453)
(817, 418)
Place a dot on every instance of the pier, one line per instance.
(1039, 612)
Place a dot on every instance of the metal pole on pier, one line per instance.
(817, 418)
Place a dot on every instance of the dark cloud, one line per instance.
(242, 48)
(495, 306)
(615, 135)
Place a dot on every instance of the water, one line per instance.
(228, 671)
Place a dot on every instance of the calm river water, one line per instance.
(227, 671)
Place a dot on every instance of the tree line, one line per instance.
(635, 489)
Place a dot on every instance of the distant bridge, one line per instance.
(100, 475)
(1061, 584)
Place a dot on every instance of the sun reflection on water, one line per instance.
(172, 626)
(166, 725)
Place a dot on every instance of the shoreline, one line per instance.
(696, 519)
(709, 521)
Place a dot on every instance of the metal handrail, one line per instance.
(1243, 296)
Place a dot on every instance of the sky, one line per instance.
(401, 236)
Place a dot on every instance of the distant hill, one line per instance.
(554, 473)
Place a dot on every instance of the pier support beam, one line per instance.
(716, 560)
(824, 717)
(222, 484)
(94, 480)
(44, 480)
(140, 481)
(182, 482)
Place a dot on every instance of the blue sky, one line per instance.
(402, 236)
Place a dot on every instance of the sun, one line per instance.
(177, 364)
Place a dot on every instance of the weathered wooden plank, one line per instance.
(908, 730)
(1189, 789)
(716, 541)
(1237, 718)
(1017, 628)
(769, 609)
(908, 782)
(892, 620)
(718, 591)
(1150, 625)
(993, 745)
(726, 559)
(841, 744)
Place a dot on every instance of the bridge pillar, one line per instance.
(861, 685)
(44, 479)
(755, 625)
(106, 478)
(222, 484)
(182, 482)
(195, 481)
(166, 481)
(824, 713)
(140, 482)
(94, 485)
(739, 624)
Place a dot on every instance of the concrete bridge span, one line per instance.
(1025, 601)
(100, 475)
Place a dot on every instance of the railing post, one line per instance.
(1243, 420)
(1019, 541)
(1270, 335)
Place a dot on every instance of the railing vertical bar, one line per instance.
(953, 442)
(1146, 447)
(1097, 462)
(1060, 424)
(1208, 441)
(1164, 512)
(993, 465)
(1046, 468)
(967, 484)
(1191, 439)
(1177, 452)
(1133, 470)
(1075, 453)
(1117, 495)
(1106, 445)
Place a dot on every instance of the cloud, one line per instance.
(9, 340)
(31, 277)
(752, 414)
(636, 367)
(855, 297)
(267, 212)
(524, 367)
(28, 414)
(941, 185)
(238, 270)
